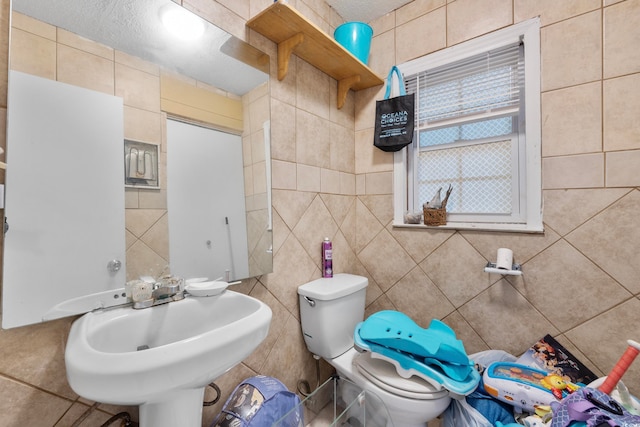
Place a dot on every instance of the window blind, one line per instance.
(480, 86)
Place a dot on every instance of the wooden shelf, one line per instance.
(293, 33)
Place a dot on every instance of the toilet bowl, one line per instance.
(330, 308)
(411, 402)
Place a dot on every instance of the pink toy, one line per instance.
(621, 367)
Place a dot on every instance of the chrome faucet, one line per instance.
(164, 291)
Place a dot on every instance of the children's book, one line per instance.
(547, 354)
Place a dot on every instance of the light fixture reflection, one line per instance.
(182, 23)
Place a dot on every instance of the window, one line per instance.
(478, 129)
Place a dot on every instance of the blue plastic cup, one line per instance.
(356, 38)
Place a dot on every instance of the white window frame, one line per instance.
(528, 32)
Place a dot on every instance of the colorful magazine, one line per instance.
(547, 354)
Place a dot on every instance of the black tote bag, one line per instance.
(394, 117)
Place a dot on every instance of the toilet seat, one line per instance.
(384, 375)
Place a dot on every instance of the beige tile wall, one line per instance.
(580, 280)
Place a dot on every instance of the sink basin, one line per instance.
(161, 358)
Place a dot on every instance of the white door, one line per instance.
(64, 196)
(205, 197)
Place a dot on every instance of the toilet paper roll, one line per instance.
(504, 259)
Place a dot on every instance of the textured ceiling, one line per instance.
(365, 10)
(133, 26)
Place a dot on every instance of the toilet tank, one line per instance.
(330, 309)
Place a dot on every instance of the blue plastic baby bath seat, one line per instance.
(434, 354)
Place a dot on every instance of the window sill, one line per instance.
(466, 226)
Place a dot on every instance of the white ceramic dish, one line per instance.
(206, 289)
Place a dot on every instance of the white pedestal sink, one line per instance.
(161, 358)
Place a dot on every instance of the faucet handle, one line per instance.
(141, 291)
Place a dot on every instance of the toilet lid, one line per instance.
(384, 375)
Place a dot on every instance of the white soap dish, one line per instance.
(206, 289)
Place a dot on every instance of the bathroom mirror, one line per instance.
(123, 51)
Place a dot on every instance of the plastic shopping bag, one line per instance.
(460, 413)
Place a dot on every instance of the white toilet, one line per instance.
(330, 309)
